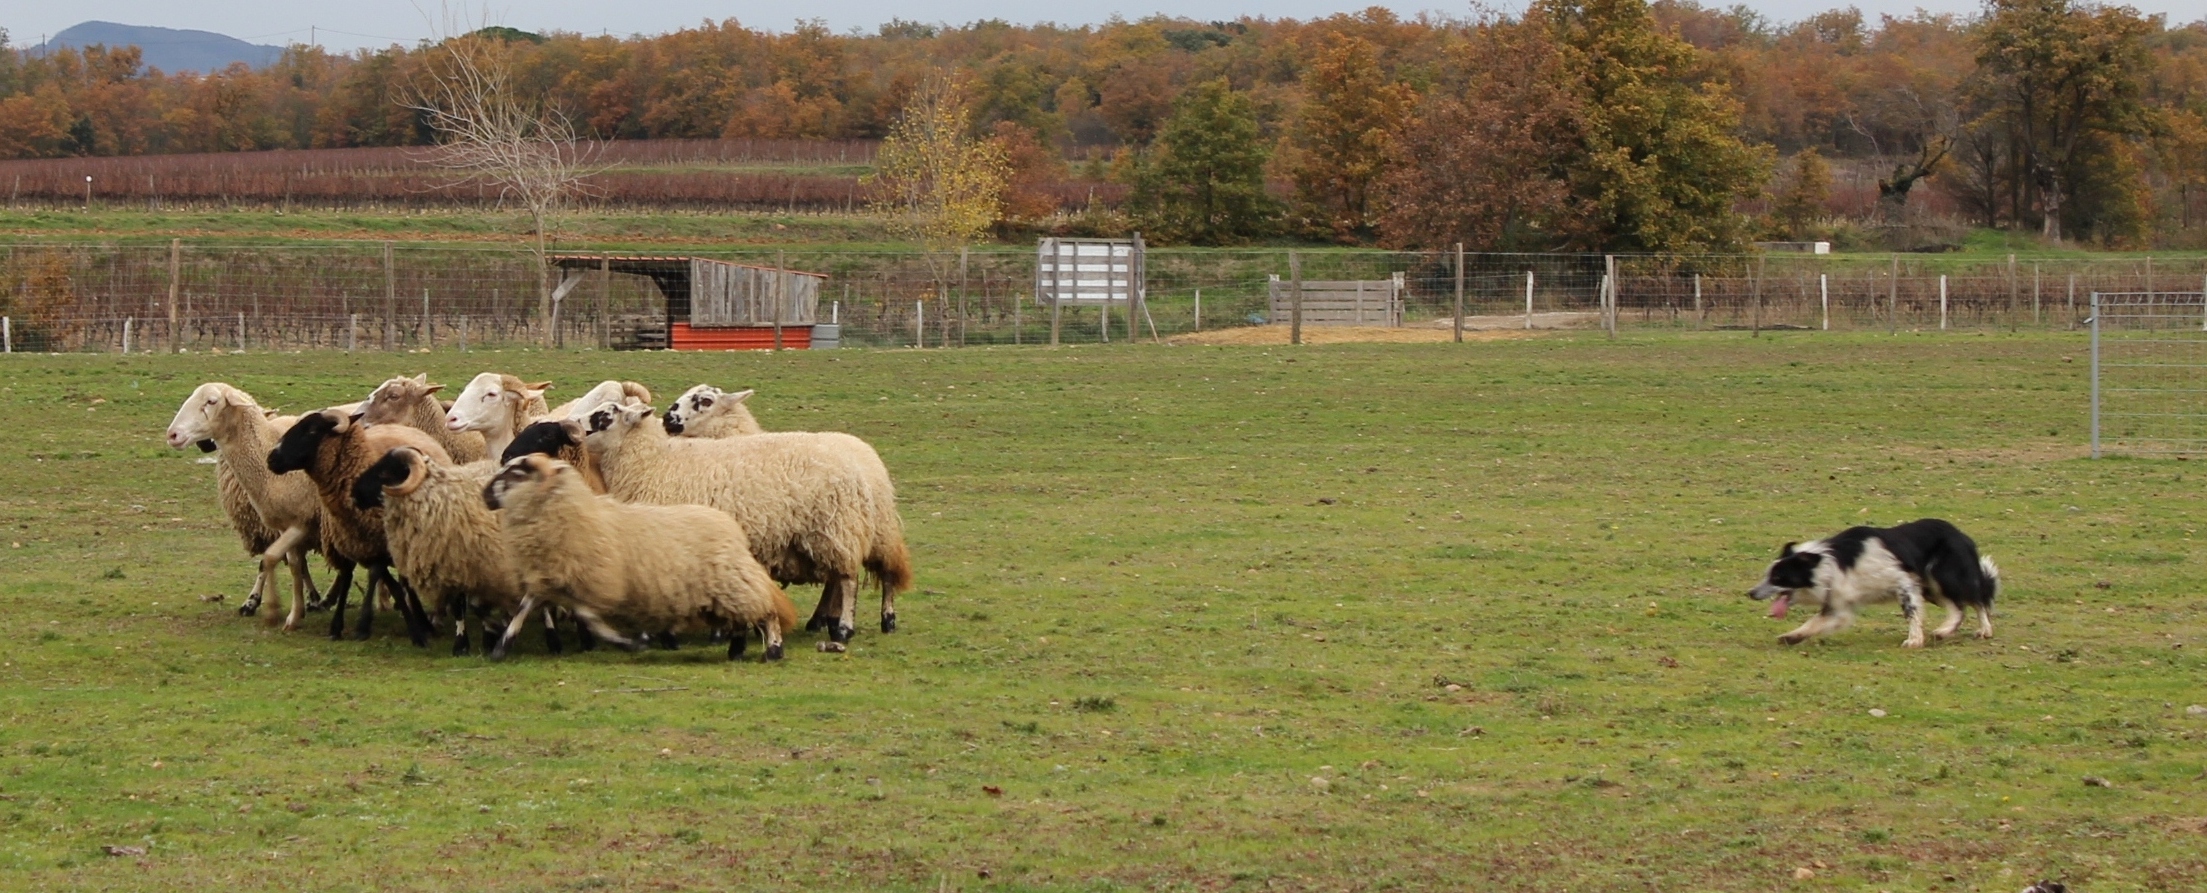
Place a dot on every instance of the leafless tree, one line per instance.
(490, 134)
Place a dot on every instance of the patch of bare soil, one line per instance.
(1346, 335)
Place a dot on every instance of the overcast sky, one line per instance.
(375, 23)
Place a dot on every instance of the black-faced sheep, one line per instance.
(334, 448)
(443, 539)
(413, 402)
(632, 568)
(278, 519)
(809, 502)
(560, 440)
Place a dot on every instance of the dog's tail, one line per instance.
(1992, 577)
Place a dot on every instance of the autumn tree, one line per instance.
(1351, 112)
(1658, 164)
(489, 133)
(934, 181)
(1801, 200)
(1485, 159)
(2061, 83)
(1202, 181)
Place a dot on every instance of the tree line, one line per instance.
(1615, 125)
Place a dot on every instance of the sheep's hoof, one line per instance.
(889, 623)
(251, 607)
(833, 648)
(1790, 639)
(460, 647)
(816, 624)
(736, 645)
(498, 654)
(666, 641)
(774, 651)
(842, 633)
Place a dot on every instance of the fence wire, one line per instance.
(2149, 373)
(83, 297)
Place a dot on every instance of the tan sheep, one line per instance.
(412, 402)
(636, 568)
(278, 519)
(334, 448)
(809, 502)
(443, 539)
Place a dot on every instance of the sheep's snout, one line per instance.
(672, 422)
(177, 439)
(453, 422)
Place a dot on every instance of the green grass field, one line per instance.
(1361, 617)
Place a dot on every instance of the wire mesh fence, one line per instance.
(79, 297)
(2149, 372)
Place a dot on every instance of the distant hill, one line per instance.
(168, 49)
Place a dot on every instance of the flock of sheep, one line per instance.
(632, 526)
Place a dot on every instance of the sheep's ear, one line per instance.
(573, 429)
(422, 378)
(236, 397)
(537, 386)
(740, 396)
(434, 388)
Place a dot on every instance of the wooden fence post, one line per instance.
(605, 303)
(390, 300)
(1295, 297)
(779, 297)
(176, 282)
(1199, 310)
(1755, 290)
(962, 296)
(1609, 278)
(1459, 292)
(428, 332)
(1824, 296)
(2072, 302)
(1942, 302)
(1892, 300)
(1701, 313)
(1528, 300)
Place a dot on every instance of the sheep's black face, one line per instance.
(295, 452)
(672, 421)
(390, 470)
(541, 438)
(516, 471)
(601, 420)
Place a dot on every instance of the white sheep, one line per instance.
(809, 502)
(705, 411)
(638, 568)
(413, 402)
(497, 406)
(280, 518)
(622, 392)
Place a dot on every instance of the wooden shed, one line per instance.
(711, 304)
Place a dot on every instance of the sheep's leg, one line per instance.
(458, 606)
(418, 624)
(846, 602)
(366, 624)
(551, 632)
(301, 570)
(339, 585)
(888, 608)
(584, 640)
(279, 553)
(604, 631)
(342, 590)
(770, 632)
(513, 627)
(738, 638)
(824, 613)
(252, 603)
(666, 641)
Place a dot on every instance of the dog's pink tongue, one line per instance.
(1778, 605)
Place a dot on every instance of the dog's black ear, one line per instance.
(1787, 550)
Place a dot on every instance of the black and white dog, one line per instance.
(1919, 560)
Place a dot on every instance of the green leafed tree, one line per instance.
(2060, 83)
(1659, 164)
(1202, 181)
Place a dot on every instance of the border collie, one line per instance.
(1927, 559)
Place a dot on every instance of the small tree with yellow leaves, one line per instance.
(934, 180)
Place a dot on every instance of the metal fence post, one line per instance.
(2095, 321)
